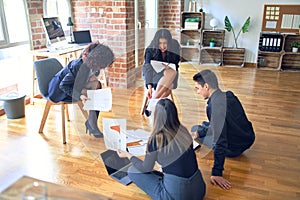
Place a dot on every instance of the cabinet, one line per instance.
(275, 52)
(209, 54)
(190, 32)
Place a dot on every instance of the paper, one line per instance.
(114, 133)
(158, 65)
(286, 21)
(100, 99)
(139, 134)
(296, 22)
(196, 145)
(137, 150)
(271, 24)
(137, 141)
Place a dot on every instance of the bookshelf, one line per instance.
(190, 32)
(275, 51)
(280, 28)
(212, 55)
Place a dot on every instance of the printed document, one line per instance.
(114, 133)
(100, 99)
(158, 65)
(137, 141)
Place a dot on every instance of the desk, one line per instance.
(63, 55)
(54, 191)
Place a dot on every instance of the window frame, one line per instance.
(3, 23)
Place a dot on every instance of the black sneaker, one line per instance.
(147, 113)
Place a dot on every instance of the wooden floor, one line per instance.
(269, 170)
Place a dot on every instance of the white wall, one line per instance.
(238, 11)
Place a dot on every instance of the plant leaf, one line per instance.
(246, 25)
(228, 25)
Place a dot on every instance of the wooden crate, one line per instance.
(270, 60)
(190, 33)
(217, 34)
(233, 56)
(189, 54)
(290, 61)
(211, 55)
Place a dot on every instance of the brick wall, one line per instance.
(114, 28)
(35, 11)
(169, 16)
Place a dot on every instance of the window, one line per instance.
(15, 58)
(57, 8)
(13, 28)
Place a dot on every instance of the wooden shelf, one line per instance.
(285, 59)
(233, 56)
(219, 36)
(190, 38)
(211, 55)
(189, 54)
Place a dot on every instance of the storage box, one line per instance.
(191, 25)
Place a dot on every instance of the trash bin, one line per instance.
(14, 105)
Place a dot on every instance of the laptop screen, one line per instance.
(82, 36)
(113, 162)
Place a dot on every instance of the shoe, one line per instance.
(205, 124)
(147, 113)
(201, 130)
(96, 133)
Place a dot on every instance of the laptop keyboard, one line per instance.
(120, 174)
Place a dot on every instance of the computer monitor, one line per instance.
(53, 29)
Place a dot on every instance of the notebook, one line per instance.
(116, 167)
(82, 37)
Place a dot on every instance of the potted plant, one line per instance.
(295, 45)
(229, 27)
(191, 23)
(237, 53)
(212, 42)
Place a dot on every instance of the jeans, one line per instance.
(161, 186)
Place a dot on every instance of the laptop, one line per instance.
(82, 37)
(116, 167)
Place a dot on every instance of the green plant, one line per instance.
(229, 27)
(192, 19)
(295, 44)
(212, 40)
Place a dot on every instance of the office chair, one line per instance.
(45, 71)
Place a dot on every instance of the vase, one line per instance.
(294, 49)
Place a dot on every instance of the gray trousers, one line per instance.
(161, 186)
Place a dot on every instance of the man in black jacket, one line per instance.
(229, 132)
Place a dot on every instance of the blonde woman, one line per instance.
(170, 145)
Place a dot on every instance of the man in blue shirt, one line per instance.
(229, 132)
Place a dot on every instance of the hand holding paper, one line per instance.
(99, 100)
